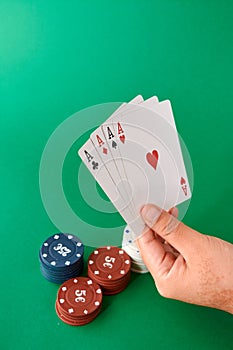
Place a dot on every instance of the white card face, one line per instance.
(106, 145)
(152, 159)
(93, 162)
(150, 102)
(164, 108)
(136, 100)
(108, 175)
(112, 141)
(103, 149)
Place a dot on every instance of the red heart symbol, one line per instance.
(182, 181)
(122, 138)
(153, 158)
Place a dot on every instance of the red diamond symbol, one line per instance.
(105, 151)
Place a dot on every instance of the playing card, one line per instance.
(152, 159)
(148, 157)
(164, 108)
(106, 152)
(112, 141)
(93, 162)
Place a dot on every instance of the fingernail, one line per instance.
(150, 214)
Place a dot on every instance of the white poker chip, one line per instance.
(139, 271)
(130, 247)
(139, 267)
(134, 256)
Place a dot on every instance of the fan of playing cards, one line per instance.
(136, 158)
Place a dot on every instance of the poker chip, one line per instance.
(61, 257)
(131, 248)
(79, 301)
(110, 268)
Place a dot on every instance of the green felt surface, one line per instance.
(57, 57)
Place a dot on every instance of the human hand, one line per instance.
(200, 268)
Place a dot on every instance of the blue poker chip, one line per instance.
(58, 279)
(61, 250)
(61, 257)
(64, 276)
(64, 273)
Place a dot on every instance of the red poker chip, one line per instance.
(79, 297)
(109, 281)
(73, 321)
(113, 292)
(105, 287)
(110, 284)
(109, 263)
(110, 268)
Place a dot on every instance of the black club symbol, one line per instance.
(95, 165)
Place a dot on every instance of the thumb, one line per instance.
(180, 236)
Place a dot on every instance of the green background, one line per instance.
(57, 57)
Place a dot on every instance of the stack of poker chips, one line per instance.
(110, 268)
(79, 301)
(61, 257)
(130, 247)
